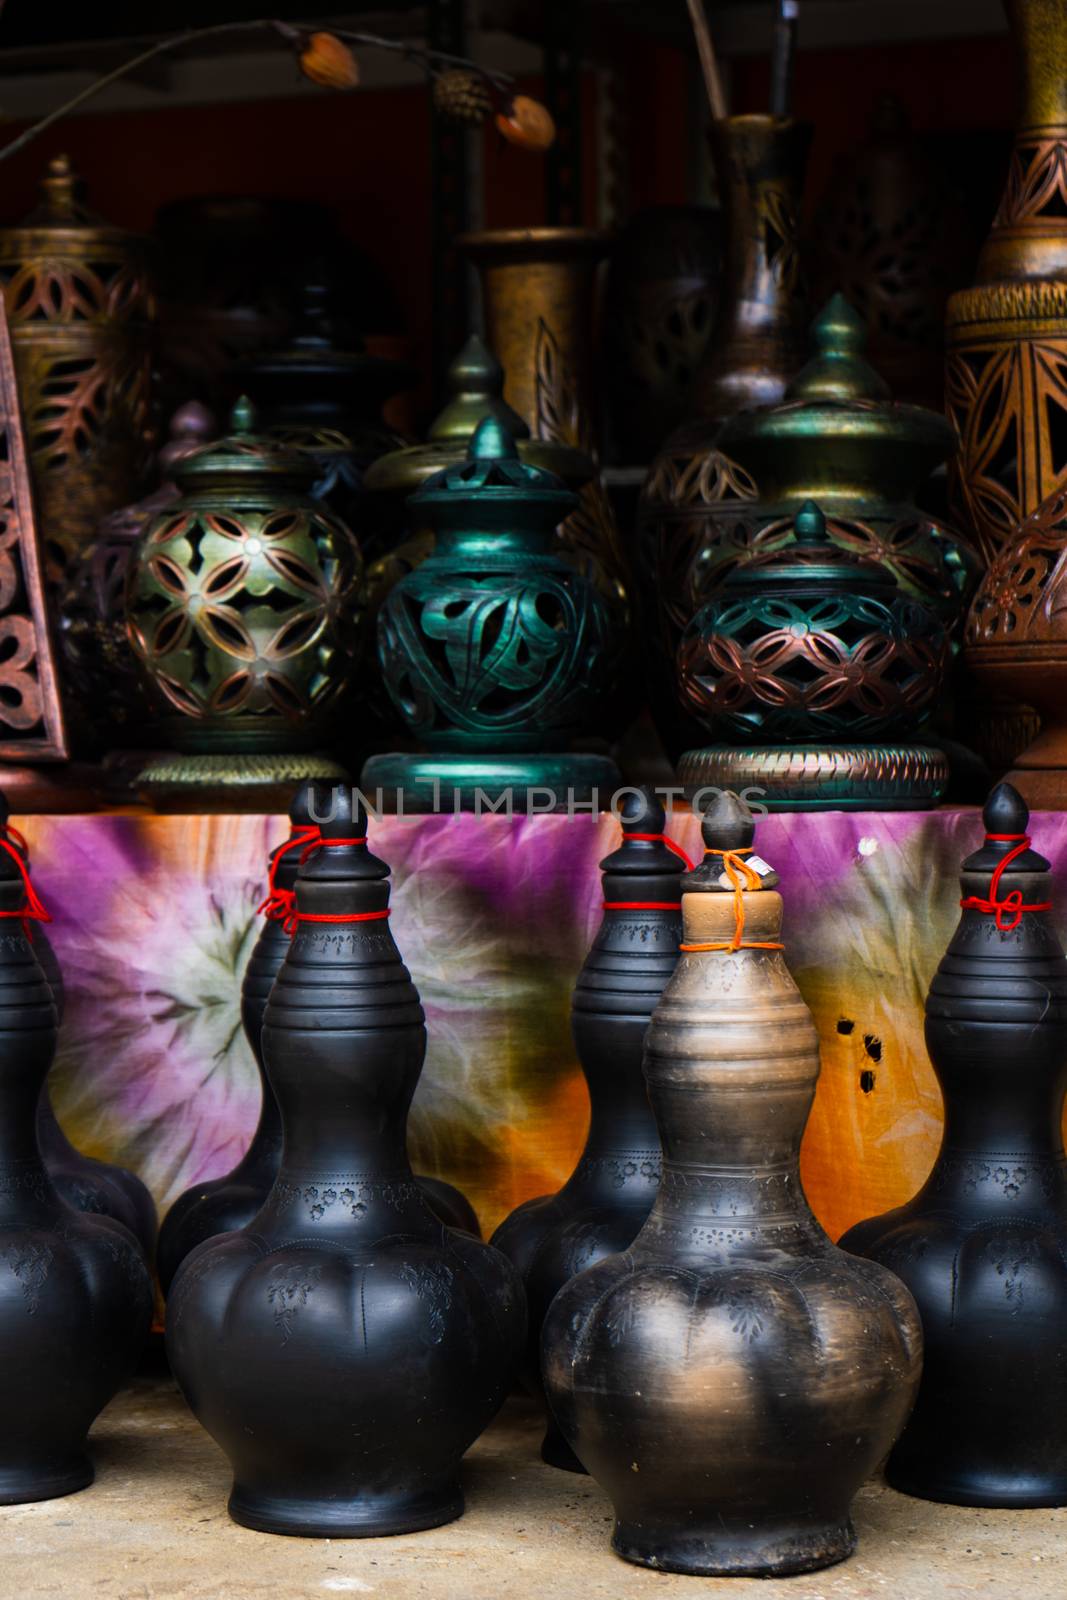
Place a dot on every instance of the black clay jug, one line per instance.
(732, 1377)
(75, 1297)
(85, 1183)
(603, 1204)
(983, 1245)
(346, 1347)
(221, 1205)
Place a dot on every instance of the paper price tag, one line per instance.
(760, 867)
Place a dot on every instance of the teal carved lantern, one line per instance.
(244, 610)
(817, 674)
(496, 651)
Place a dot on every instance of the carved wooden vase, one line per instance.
(81, 307)
(1005, 383)
(605, 1201)
(222, 1205)
(757, 345)
(1016, 646)
(345, 1348)
(983, 1245)
(75, 1297)
(731, 1378)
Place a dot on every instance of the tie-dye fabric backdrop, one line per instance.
(154, 919)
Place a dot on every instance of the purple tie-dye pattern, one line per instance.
(154, 918)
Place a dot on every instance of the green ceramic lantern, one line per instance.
(243, 608)
(495, 651)
(815, 675)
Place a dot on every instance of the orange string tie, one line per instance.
(1012, 903)
(33, 910)
(741, 877)
(279, 902)
(293, 917)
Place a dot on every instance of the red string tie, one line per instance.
(293, 917)
(1012, 904)
(33, 910)
(661, 838)
(641, 905)
(279, 902)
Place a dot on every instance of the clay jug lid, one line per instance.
(300, 805)
(346, 820)
(640, 812)
(1005, 813)
(727, 825)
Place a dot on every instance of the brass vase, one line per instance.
(757, 345)
(81, 307)
(1006, 372)
(539, 293)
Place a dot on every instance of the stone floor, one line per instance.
(154, 1526)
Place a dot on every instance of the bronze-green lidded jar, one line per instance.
(839, 438)
(244, 611)
(815, 676)
(496, 652)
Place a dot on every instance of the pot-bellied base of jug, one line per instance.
(19, 1485)
(363, 1517)
(1022, 1490)
(716, 1551)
